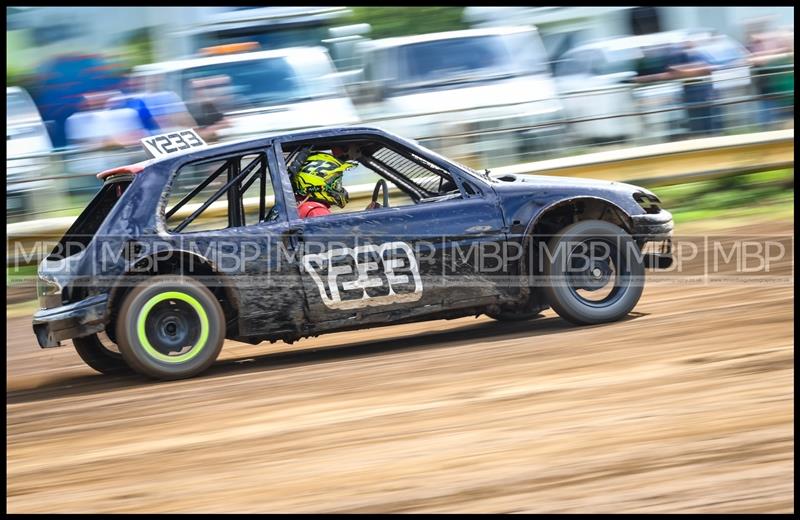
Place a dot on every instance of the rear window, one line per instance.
(86, 225)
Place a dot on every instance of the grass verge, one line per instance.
(761, 196)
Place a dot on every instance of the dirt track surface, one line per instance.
(685, 406)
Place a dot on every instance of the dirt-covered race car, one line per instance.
(203, 243)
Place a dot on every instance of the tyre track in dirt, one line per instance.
(686, 406)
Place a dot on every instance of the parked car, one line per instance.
(141, 282)
(433, 87)
(26, 135)
(267, 91)
(595, 81)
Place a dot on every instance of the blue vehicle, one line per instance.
(182, 251)
(62, 82)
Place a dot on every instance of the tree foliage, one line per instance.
(387, 22)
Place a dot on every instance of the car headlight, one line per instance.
(48, 292)
(648, 202)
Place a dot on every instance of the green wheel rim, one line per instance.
(142, 335)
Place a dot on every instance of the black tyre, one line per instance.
(593, 273)
(170, 327)
(101, 354)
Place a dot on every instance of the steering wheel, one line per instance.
(380, 186)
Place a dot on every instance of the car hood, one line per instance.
(506, 92)
(618, 192)
(294, 116)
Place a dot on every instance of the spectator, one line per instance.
(207, 105)
(95, 130)
(684, 63)
(159, 112)
(133, 98)
(698, 90)
(168, 111)
(95, 127)
(772, 58)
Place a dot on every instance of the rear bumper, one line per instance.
(70, 321)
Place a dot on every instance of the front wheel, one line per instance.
(170, 327)
(101, 355)
(593, 273)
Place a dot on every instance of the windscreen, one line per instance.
(268, 37)
(262, 82)
(618, 60)
(471, 58)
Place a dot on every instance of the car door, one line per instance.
(395, 263)
(241, 232)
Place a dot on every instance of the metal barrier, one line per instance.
(652, 165)
(479, 144)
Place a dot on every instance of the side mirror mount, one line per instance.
(622, 77)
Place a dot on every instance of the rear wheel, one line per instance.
(170, 327)
(593, 273)
(101, 354)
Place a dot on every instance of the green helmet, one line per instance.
(320, 179)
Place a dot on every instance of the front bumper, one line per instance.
(655, 227)
(70, 321)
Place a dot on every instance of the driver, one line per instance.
(318, 183)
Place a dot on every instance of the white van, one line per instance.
(26, 135)
(434, 86)
(270, 91)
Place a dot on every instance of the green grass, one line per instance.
(22, 271)
(767, 194)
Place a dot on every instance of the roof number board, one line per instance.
(173, 142)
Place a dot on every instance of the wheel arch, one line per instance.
(186, 263)
(560, 213)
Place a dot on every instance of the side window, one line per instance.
(566, 65)
(221, 193)
(469, 188)
(573, 63)
(409, 177)
(427, 180)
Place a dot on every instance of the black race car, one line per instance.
(203, 243)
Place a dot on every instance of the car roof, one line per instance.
(313, 133)
(187, 63)
(467, 33)
(266, 17)
(643, 40)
